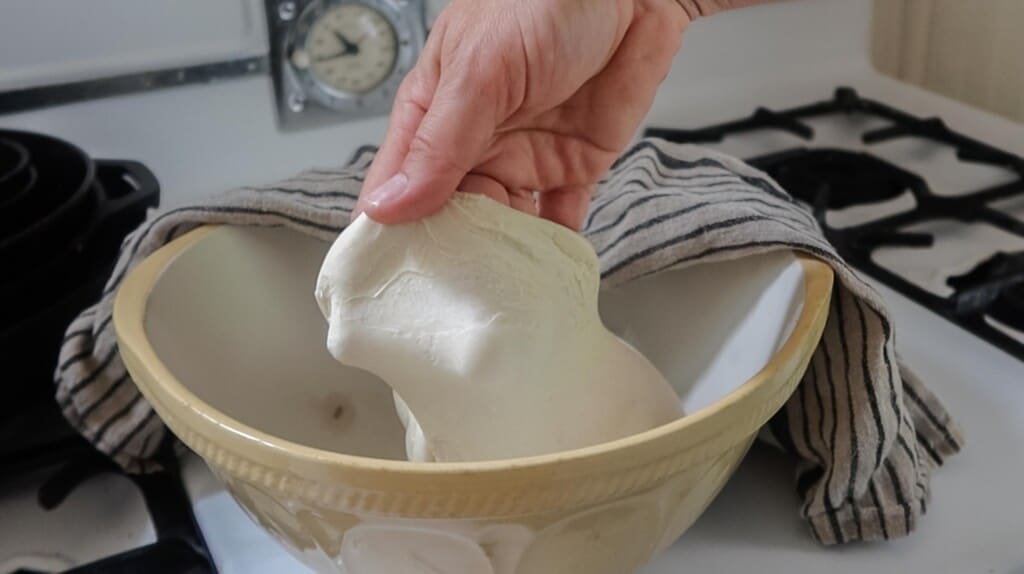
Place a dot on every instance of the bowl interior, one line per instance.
(709, 328)
(234, 319)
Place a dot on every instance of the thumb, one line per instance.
(448, 143)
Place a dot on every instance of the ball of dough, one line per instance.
(484, 322)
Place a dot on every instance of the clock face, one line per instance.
(351, 49)
(341, 59)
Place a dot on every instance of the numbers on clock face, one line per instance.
(351, 48)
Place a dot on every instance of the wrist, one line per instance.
(676, 13)
(699, 8)
(691, 8)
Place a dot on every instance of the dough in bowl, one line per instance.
(484, 322)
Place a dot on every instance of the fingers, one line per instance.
(450, 138)
(411, 103)
(406, 115)
(485, 185)
(638, 68)
(520, 199)
(524, 201)
(622, 93)
(567, 206)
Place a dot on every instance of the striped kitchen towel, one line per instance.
(865, 431)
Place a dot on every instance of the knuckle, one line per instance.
(415, 88)
(425, 146)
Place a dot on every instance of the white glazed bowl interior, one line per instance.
(234, 320)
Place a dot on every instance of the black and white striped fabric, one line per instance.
(866, 432)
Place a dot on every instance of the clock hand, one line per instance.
(331, 57)
(350, 47)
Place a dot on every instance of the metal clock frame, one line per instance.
(302, 100)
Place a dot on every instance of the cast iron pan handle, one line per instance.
(125, 184)
(127, 189)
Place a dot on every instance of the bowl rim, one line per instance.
(231, 444)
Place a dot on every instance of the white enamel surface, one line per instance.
(104, 515)
(958, 248)
(45, 42)
(710, 327)
(484, 321)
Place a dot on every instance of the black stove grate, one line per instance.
(836, 178)
(179, 547)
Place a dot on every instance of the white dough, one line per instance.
(484, 321)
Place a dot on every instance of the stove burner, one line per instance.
(832, 179)
(845, 178)
(179, 547)
(1009, 308)
(989, 281)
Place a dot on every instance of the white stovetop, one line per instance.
(975, 521)
(203, 139)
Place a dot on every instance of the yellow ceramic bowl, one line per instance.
(221, 332)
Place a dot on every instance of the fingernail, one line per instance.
(388, 191)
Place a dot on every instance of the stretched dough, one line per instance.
(484, 322)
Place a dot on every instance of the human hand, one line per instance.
(526, 101)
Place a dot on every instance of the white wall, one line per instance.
(50, 41)
(972, 51)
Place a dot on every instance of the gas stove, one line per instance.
(934, 260)
(932, 213)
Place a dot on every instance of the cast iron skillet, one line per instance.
(58, 241)
(17, 174)
(53, 209)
